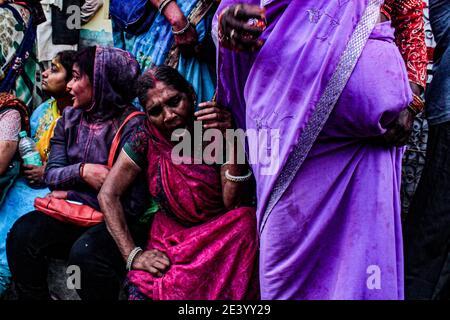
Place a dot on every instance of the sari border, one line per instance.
(325, 105)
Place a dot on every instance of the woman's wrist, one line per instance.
(131, 259)
(175, 16)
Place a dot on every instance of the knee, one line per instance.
(81, 253)
(22, 233)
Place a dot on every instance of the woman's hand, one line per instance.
(154, 261)
(240, 27)
(214, 116)
(187, 40)
(95, 174)
(398, 133)
(34, 174)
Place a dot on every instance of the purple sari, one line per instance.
(329, 211)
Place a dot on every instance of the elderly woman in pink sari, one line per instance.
(326, 78)
(203, 241)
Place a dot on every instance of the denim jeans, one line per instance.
(36, 237)
(427, 224)
(438, 91)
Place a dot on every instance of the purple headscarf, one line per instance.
(115, 72)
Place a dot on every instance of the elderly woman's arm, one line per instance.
(178, 21)
(116, 184)
(119, 180)
(235, 193)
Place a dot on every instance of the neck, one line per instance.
(63, 101)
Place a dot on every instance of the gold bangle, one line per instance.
(163, 5)
(417, 105)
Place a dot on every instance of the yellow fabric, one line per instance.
(43, 144)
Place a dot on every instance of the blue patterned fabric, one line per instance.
(151, 48)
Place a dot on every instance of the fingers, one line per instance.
(240, 27)
(237, 17)
(211, 116)
(155, 272)
(206, 112)
(397, 136)
(206, 104)
(155, 262)
(246, 11)
(160, 265)
(163, 257)
(241, 42)
(217, 125)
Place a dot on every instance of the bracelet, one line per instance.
(417, 105)
(163, 5)
(131, 257)
(232, 178)
(82, 169)
(188, 24)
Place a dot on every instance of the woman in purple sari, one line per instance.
(326, 78)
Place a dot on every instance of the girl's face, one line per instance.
(80, 88)
(168, 109)
(54, 79)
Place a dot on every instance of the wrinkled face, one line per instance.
(168, 109)
(54, 79)
(80, 88)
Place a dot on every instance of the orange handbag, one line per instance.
(74, 212)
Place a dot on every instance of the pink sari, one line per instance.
(212, 252)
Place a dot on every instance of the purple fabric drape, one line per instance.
(335, 231)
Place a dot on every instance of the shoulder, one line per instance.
(10, 117)
(9, 125)
(71, 114)
(41, 109)
(10, 114)
(137, 119)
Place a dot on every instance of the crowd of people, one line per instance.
(330, 89)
